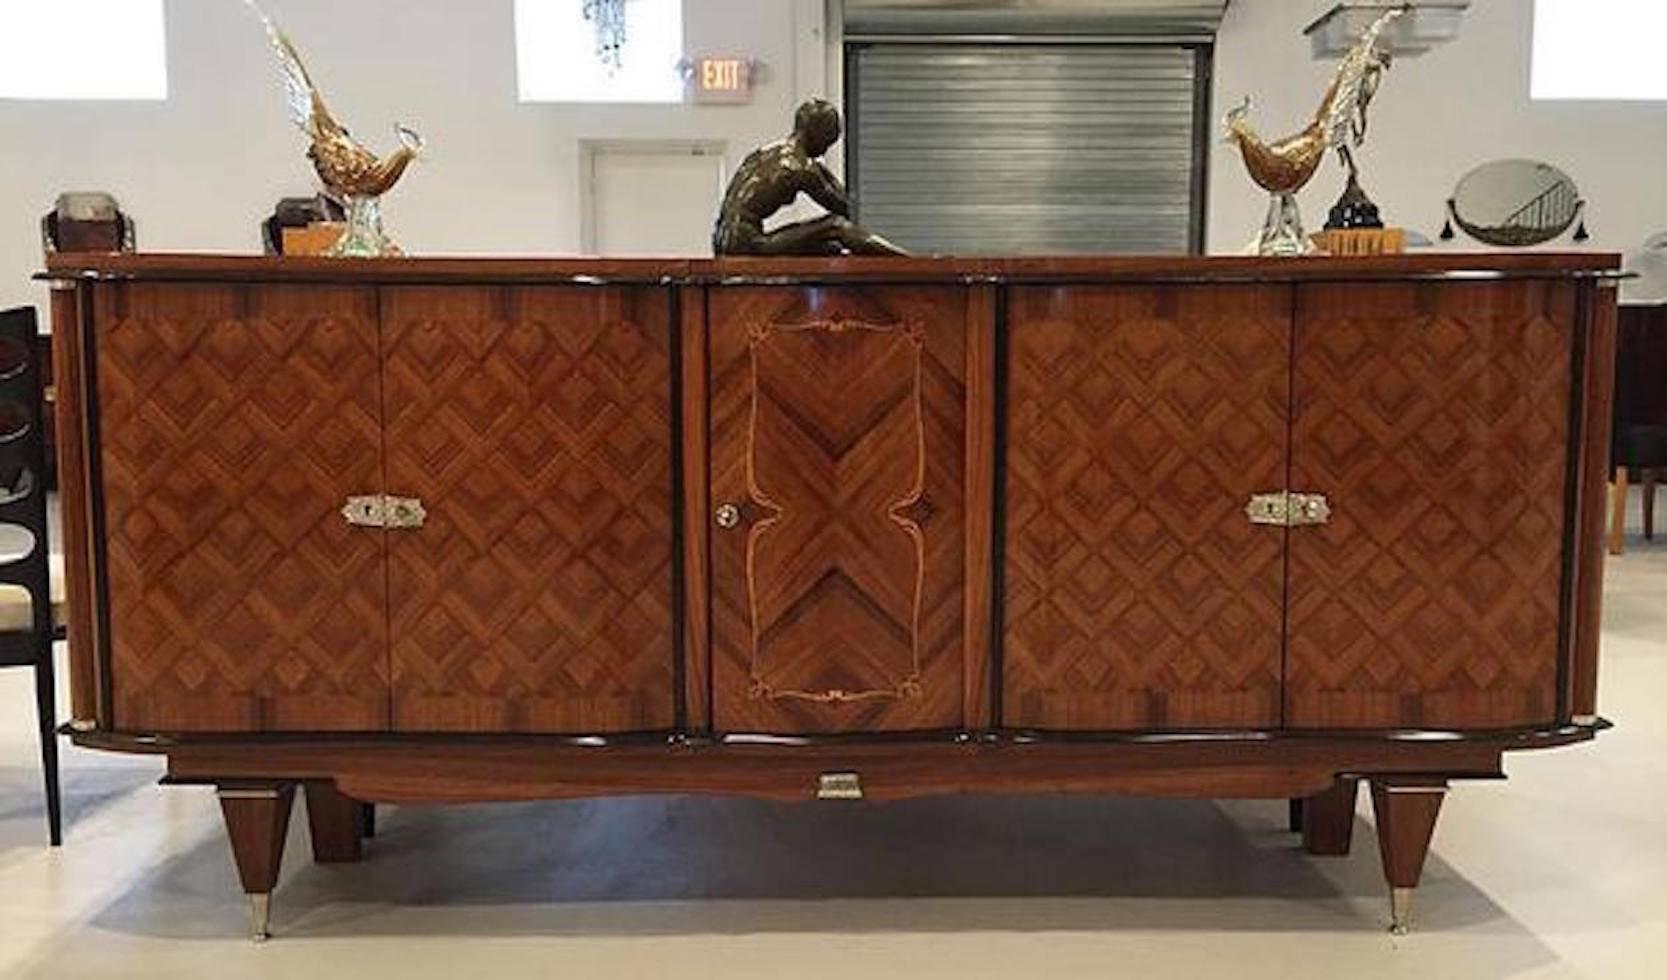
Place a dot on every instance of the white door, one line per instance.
(652, 198)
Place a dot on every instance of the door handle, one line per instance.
(727, 516)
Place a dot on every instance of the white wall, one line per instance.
(1437, 115)
(199, 171)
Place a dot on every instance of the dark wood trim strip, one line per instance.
(1577, 424)
(1202, 740)
(851, 269)
(978, 709)
(1293, 337)
(1558, 734)
(1577, 693)
(998, 506)
(390, 702)
(73, 506)
(98, 534)
(405, 270)
(695, 556)
(679, 517)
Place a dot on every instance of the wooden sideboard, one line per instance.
(433, 530)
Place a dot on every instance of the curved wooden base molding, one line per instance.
(474, 770)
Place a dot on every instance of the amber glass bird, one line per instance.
(1285, 166)
(1282, 168)
(348, 170)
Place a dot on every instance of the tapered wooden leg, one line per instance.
(1406, 811)
(1617, 512)
(257, 820)
(337, 825)
(1328, 819)
(1295, 815)
(367, 823)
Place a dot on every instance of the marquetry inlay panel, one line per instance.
(1136, 592)
(838, 433)
(535, 426)
(234, 422)
(1435, 417)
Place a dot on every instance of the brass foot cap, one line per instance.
(260, 916)
(1400, 911)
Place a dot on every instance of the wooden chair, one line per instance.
(30, 592)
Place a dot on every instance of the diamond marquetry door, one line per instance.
(234, 421)
(839, 428)
(535, 425)
(1136, 593)
(1436, 418)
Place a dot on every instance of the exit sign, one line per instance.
(722, 80)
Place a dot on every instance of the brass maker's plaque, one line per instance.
(839, 786)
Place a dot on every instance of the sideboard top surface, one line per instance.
(1421, 266)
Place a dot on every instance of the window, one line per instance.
(555, 52)
(83, 49)
(1599, 49)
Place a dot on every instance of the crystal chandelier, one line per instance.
(609, 18)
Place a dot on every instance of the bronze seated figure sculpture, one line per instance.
(772, 176)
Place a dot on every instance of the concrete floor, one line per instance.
(1559, 872)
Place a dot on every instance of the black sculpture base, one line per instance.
(1354, 209)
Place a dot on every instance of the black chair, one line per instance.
(25, 569)
(1639, 451)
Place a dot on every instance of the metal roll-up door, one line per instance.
(1019, 148)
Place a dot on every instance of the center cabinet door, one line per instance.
(839, 438)
(535, 424)
(1137, 595)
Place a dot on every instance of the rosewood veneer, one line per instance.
(450, 530)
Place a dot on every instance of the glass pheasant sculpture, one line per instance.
(350, 172)
(1284, 167)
